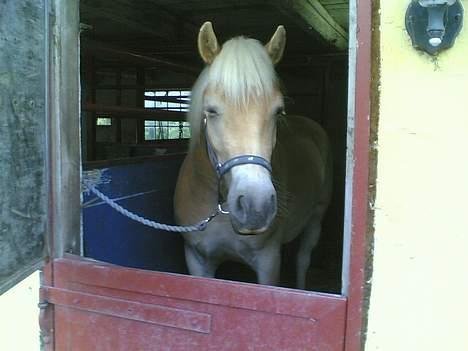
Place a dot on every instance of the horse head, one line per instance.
(240, 104)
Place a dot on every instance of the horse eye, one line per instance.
(280, 112)
(211, 112)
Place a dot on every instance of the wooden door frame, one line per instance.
(64, 147)
(63, 135)
(358, 163)
(65, 158)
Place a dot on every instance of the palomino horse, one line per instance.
(238, 127)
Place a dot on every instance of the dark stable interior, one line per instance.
(138, 60)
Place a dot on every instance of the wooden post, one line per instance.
(140, 101)
(64, 141)
(118, 121)
(90, 98)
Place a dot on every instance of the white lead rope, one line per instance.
(200, 226)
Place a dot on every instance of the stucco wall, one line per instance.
(420, 266)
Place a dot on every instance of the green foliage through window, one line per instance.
(104, 121)
(166, 130)
(167, 100)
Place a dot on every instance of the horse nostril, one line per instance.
(241, 207)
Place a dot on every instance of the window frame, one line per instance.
(180, 109)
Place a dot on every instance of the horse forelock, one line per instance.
(242, 72)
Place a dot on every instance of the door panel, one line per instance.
(103, 307)
(23, 202)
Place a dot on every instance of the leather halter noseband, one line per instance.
(222, 168)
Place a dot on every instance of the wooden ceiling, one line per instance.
(166, 30)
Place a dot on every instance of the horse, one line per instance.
(268, 173)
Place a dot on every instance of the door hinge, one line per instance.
(46, 318)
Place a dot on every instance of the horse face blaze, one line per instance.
(245, 130)
(251, 199)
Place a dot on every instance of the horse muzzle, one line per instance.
(252, 203)
(250, 218)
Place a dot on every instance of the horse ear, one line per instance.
(208, 46)
(275, 46)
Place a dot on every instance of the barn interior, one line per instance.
(139, 60)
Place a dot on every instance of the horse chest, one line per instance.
(219, 241)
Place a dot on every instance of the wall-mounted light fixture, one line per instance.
(433, 25)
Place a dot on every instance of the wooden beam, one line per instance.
(147, 18)
(140, 102)
(118, 124)
(102, 50)
(182, 48)
(174, 99)
(89, 84)
(126, 17)
(311, 15)
(136, 113)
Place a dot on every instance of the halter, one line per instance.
(222, 168)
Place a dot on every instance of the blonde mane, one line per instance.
(242, 71)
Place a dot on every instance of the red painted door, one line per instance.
(90, 305)
(98, 306)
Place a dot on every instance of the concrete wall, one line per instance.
(420, 266)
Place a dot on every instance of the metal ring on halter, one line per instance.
(221, 210)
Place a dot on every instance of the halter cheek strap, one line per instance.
(223, 168)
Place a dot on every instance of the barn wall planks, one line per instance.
(22, 138)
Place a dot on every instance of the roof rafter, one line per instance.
(131, 18)
(312, 15)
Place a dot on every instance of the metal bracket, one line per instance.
(46, 319)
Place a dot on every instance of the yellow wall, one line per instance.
(419, 296)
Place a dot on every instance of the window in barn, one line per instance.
(167, 100)
(104, 121)
(166, 130)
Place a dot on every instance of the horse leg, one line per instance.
(309, 239)
(267, 266)
(198, 264)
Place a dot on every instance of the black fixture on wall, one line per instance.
(433, 25)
